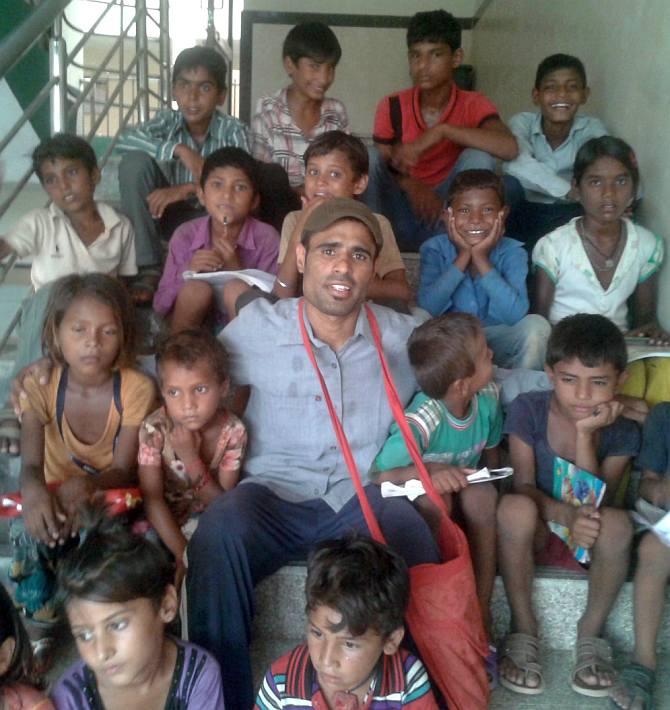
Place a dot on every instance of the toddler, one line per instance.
(117, 592)
(356, 592)
(191, 448)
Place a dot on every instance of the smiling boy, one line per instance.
(286, 122)
(538, 181)
(156, 203)
(474, 269)
(425, 135)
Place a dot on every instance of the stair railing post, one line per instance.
(164, 52)
(58, 70)
(141, 47)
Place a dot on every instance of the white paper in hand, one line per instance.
(414, 488)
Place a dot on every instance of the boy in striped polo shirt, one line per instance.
(356, 592)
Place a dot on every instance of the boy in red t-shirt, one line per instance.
(427, 134)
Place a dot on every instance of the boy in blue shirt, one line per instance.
(155, 203)
(473, 268)
(538, 181)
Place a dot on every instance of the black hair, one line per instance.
(191, 346)
(112, 564)
(443, 350)
(476, 180)
(434, 26)
(367, 583)
(555, 62)
(231, 157)
(590, 338)
(350, 146)
(606, 147)
(102, 288)
(64, 146)
(205, 57)
(21, 663)
(313, 40)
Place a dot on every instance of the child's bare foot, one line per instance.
(519, 668)
(594, 673)
(634, 689)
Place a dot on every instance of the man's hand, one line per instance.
(159, 199)
(425, 202)
(191, 160)
(585, 526)
(603, 415)
(204, 260)
(450, 479)
(652, 330)
(40, 369)
(43, 515)
(186, 444)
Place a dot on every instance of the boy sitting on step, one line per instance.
(356, 592)
(578, 423)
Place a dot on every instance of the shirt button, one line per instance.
(318, 398)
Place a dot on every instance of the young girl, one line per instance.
(79, 432)
(117, 592)
(595, 263)
(17, 679)
(192, 447)
(229, 239)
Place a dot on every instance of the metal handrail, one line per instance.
(47, 21)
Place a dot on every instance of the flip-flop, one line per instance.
(638, 681)
(595, 654)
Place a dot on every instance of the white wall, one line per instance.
(626, 50)
(459, 8)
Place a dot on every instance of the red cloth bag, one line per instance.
(443, 614)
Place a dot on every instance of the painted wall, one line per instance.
(460, 8)
(626, 51)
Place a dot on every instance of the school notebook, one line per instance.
(577, 487)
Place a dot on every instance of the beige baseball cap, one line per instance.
(338, 208)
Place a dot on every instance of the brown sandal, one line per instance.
(594, 654)
(523, 651)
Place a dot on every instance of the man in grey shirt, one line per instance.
(296, 488)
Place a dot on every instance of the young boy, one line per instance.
(579, 421)
(356, 591)
(474, 269)
(286, 122)
(538, 181)
(456, 421)
(227, 239)
(74, 234)
(427, 134)
(157, 204)
(635, 687)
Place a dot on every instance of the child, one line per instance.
(539, 181)
(425, 135)
(596, 263)
(79, 432)
(17, 679)
(184, 137)
(286, 122)
(227, 239)
(74, 234)
(117, 592)
(456, 420)
(579, 421)
(635, 687)
(474, 269)
(191, 448)
(357, 591)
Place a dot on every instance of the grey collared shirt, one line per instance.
(292, 447)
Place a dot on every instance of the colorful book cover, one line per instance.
(577, 487)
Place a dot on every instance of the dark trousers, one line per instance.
(247, 534)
